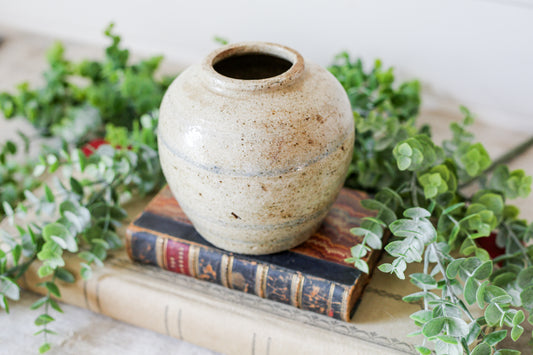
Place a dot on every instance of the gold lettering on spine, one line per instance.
(230, 272)
(194, 251)
(224, 270)
(161, 252)
(296, 290)
(329, 311)
(344, 305)
(261, 280)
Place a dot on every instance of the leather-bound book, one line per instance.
(312, 276)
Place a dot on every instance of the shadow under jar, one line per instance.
(255, 145)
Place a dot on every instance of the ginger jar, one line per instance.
(255, 143)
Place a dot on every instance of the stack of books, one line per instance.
(294, 302)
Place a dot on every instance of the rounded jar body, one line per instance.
(255, 145)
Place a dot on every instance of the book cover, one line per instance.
(234, 322)
(312, 276)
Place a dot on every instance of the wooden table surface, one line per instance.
(83, 332)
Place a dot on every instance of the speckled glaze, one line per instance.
(256, 164)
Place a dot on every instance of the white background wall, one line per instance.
(474, 52)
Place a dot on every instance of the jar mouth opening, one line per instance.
(253, 65)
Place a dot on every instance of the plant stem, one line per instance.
(442, 270)
(20, 269)
(503, 159)
(413, 190)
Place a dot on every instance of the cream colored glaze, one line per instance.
(256, 164)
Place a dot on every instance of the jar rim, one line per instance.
(222, 82)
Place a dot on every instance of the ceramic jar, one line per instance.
(255, 144)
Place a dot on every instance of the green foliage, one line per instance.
(421, 180)
(80, 212)
(114, 92)
(383, 114)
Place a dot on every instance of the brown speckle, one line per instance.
(234, 215)
(200, 194)
(263, 187)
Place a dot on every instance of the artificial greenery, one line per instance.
(80, 209)
(419, 200)
(416, 186)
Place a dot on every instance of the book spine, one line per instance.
(238, 273)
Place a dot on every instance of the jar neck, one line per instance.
(252, 66)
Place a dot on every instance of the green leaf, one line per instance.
(473, 333)
(358, 251)
(421, 279)
(4, 303)
(453, 268)
(61, 242)
(480, 294)
(414, 297)
(470, 290)
(45, 270)
(447, 339)
(492, 292)
(495, 337)
(76, 186)
(45, 331)
(43, 319)
(453, 208)
(457, 327)
(503, 299)
(416, 213)
(55, 306)
(526, 296)
(16, 253)
(49, 194)
(39, 303)
(519, 317)
(385, 267)
(361, 265)
(442, 347)
(516, 332)
(422, 316)
(39, 170)
(482, 349)
(434, 327)
(525, 277)
(423, 350)
(52, 288)
(64, 275)
(8, 210)
(507, 352)
(55, 229)
(483, 271)
(493, 314)
(44, 348)
(9, 288)
(85, 271)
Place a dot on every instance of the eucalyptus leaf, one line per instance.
(482, 349)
